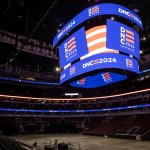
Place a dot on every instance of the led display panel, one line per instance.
(73, 47)
(100, 55)
(97, 10)
(103, 61)
(123, 38)
(98, 80)
(110, 38)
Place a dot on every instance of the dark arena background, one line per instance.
(74, 75)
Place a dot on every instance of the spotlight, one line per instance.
(57, 69)
(112, 18)
(144, 38)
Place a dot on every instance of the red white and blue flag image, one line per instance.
(129, 63)
(72, 70)
(81, 81)
(94, 10)
(107, 77)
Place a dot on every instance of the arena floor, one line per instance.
(86, 142)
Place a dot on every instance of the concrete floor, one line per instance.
(86, 142)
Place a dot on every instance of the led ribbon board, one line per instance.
(97, 10)
(102, 61)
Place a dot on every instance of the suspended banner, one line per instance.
(32, 46)
(7, 37)
(97, 10)
(36, 47)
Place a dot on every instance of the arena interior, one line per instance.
(38, 111)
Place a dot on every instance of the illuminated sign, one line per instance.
(112, 38)
(99, 48)
(96, 41)
(98, 80)
(126, 37)
(129, 63)
(62, 76)
(107, 77)
(103, 61)
(70, 48)
(97, 10)
(94, 10)
(122, 38)
(66, 28)
(96, 38)
(71, 94)
(73, 47)
(99, 61)
(81, 81)
(129, 14)
(72, 70)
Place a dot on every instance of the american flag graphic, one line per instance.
(94, 10)
(96, 38)
(129, 36)
(107, 77)
(81, 81)
(129, 63)
(96, 41)
(71, 44)
(72, 70)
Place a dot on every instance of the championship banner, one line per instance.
(35, 47)
(7, 37)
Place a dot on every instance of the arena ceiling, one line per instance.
(15, 13)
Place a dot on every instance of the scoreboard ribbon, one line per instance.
(99, 62)
(97, 10)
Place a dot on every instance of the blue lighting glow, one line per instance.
(77, 111)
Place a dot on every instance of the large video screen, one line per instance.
(96, 62)
(122, 38)
(95, 56)
(73, 47)
(97, 10)
(98, 80)
(110, 38)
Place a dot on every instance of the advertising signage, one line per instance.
(96, 62)
(73, 47)
(97, 10)
(122, 38)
